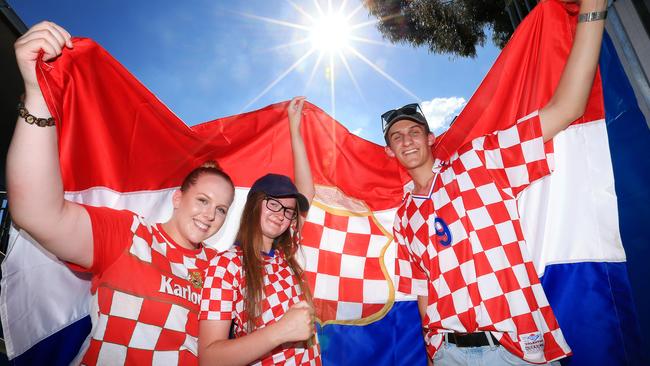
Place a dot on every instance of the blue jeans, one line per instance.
(450, 355)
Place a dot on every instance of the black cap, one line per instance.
(411, 112)
(279, 186)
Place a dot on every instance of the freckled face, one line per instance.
(410, 144)
(201, 210)
(273, 224)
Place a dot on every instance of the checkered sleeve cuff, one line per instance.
(221, 288)
(516, 156)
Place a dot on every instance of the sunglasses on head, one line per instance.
(409, 110)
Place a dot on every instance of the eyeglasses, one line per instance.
(409, 110)
(275, 206)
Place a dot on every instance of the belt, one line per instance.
(479, 339)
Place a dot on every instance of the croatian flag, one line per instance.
(121, 147)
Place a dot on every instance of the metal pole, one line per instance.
(12, 17)
(636, 71)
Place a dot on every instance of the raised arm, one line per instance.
(34, 181)
(570, 98)
(301, 169)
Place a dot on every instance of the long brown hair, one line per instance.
(249, 238)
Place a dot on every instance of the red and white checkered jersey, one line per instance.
(463, 247)
(146, 292)
(223, 299)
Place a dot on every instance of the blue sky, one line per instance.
(209, 59)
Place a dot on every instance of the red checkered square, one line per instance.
(223, 299)
(464, 238)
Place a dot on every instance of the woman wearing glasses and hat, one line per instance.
(256, 289)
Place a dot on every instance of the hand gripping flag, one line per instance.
(121, 147)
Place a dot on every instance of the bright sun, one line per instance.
(330, 33)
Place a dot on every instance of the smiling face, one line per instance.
(410, 144)
(200, 211)
(273, 224)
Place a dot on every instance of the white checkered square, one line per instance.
(531, 150)
(517, 175)
(316, 215)
(489, 193)
(309, 259)
(159, 246)
(349, 310)
(145, 336)
(508, 137)
(506, 232)
(100, 327)
(470, 160)
(448, 260)
(332, 240)
(326, 287)
(358, 225)
(352, 266)
(441, 287)
(374, 291)
(177, 318)
(521, 274)
(125, 305)
(111, 354)
(497, 258)
(461, 300)
(191, 344)
(464, 182)
(163, 358)
(488, 286)
(376, 244)
(141, 249)
(493, 159)
(480, 218)
(517, 302)
(540, 296)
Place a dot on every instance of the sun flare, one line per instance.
(333, 36)
(330, 33)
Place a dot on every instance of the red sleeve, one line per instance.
(517, 156)
(111, 236)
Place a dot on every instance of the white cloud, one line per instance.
(440, 112)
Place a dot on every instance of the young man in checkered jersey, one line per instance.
(458, 233)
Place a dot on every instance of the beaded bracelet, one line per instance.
(33, 120)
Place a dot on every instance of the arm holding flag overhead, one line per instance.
(570, 98)
(35, 186)
(301, 169)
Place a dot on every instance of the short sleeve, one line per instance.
(409, 276)
(111, 236)
(221, 288)
(517, 156)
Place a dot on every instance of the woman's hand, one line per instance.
(297, 324)
(45, 36)
(295, 114)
